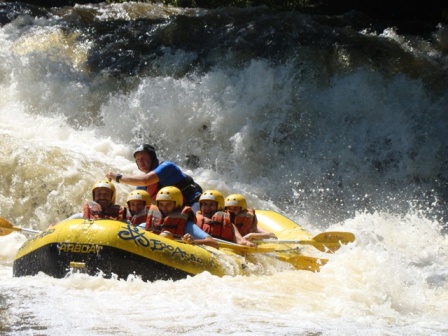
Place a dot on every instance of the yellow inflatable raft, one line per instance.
(114, 248)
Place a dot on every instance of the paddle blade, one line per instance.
(331, 241)
(5, 227)
(335, 237)
(305, 263)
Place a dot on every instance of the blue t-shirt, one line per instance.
(195, 231)
(169, 174)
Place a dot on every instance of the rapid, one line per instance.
(336, 124)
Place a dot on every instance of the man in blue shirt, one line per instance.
(158, 175)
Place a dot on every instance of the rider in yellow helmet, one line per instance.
(171, 218)
(138, 202)
(104, 193)
(103, 205)
(212, 219)
(210, 202)
(244, 218)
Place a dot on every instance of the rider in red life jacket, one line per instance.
(244, 219)
(103, 205)
(213, 220)
(138, 204)
(170, 218)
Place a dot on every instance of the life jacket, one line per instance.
(175, 222)
(152, 190)
(191, 191)
(201, 220)
(139, 218)
(244, 221)
(219, 226)
(115, 211)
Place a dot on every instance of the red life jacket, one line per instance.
(115, 211)
(219, 226)
(152, 190)
(175, 222)
(139, 218)
(245, 221)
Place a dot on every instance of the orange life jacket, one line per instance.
(201, 220)
(115, 211)
(139, 218)
(219, 226)
(175, 222)
(245, 221)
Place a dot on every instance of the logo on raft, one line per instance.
(136, 235)
(79, 248)
(131, 232)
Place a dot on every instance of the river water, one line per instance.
(336, 123)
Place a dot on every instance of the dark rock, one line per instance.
(11, 10)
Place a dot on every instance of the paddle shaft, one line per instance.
(324, 237)
(324, 247)
(243, 248)
(16, 229)
(6, 228)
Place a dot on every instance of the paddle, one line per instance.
(243, 248)
(299, 262)
(304, 262)
(325, 241)
(6, 228)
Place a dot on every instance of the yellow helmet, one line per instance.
(213, 195)
(139, 195)
(105, 184)
(236, 200)
(170, 194)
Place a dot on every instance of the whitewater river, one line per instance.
(337, 126)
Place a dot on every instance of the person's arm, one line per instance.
(187, 238)
(194, 234)
(135, 180)
(266, 233)
(239, 239)
(259, 235)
